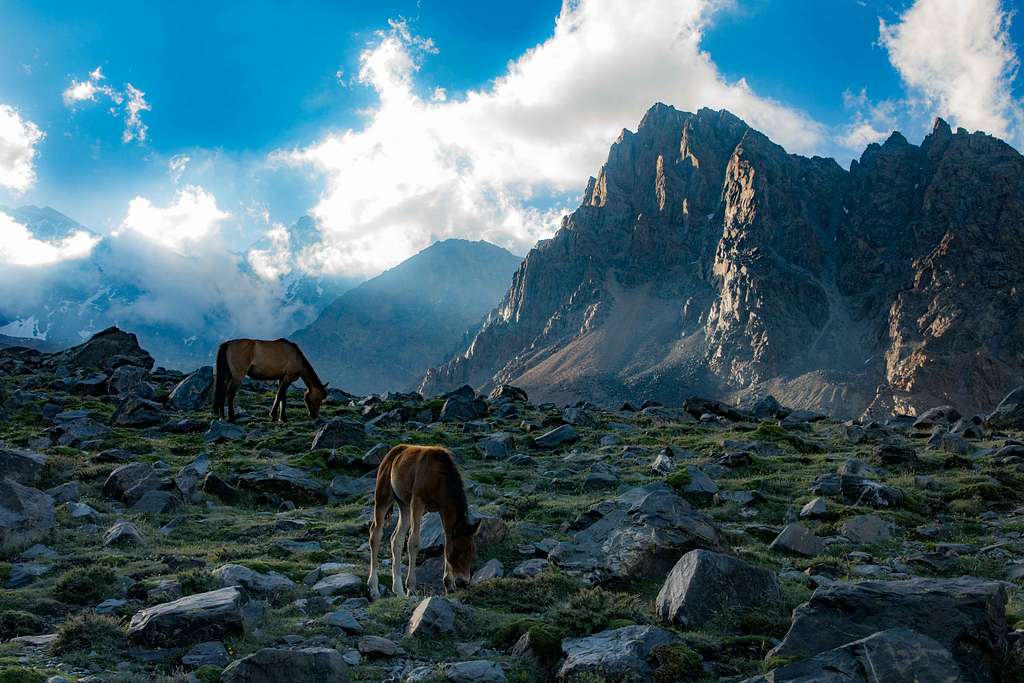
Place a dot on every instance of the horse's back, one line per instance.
(421, 471)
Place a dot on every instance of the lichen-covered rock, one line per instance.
(193, 618)
(621, 654)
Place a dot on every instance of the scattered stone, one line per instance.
(338, 432)
(251, 580)
(64, 493)
(128, 483)
(939, 416)
(1009, 414)
(897, 655)
(123, 533)
(967, 616)
(375, 646)
(497, 446)
(492, 569)
(339, 584)
(193, 618)
(210, 653)
(706, 585)
(896, 457)
(344, 620)
(557, 437)
(26, 515)
(867, 529)
(109, 606)
(23, 573)
(432, 616)
(621, 654)
(272, 665)
(373, 456)
(530, 568)
(462, 408)
(815, 508)
(193, 393)
(283, 481)
(21, 466)
(221, 432)
(797, 539)
(475, 671)
(137, 412)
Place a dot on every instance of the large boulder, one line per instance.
(130, 380)
(138, 412)
(191, 619)
(195, 392)
(967, 616)
(897, 655)
(20, 465)
(557, 437)
(705, 585)
(252, 580)
(640, 534)
(108, 349)
(462, 408)
(271, 665)
(283, 482)
(1009, 414)
(128, 483)
(621, 654)
(26, 514)
(338, 432)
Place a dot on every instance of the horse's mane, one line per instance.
(455, 489)
(307, 366)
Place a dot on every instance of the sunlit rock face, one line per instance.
(704, 258)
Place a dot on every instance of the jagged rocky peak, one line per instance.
(705, 258)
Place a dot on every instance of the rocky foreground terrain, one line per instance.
(680, 542)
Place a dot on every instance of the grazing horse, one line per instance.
(264, 360)
(421, 479)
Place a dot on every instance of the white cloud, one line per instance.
(132, 98)
(957, 60)
(18, 140)
(275, 259)
(176, 166)
(19, 247)
(192, 217)
(425, 167)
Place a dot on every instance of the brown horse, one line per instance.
(421, 479)
(264, 360)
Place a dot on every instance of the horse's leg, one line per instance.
(397, 541)
(417, 508)
(383, 501)
(232, 390)
(277, 409)
(282, 396)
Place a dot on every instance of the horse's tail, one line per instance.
(220, 380)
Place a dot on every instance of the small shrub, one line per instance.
(679, 479)
(676, 663)
(89, 632)
(208, 674)
(520, 595)
(545, 640)
(197, 581)
(85, 585)
(14, 623)
(594, 609)
(20, 674)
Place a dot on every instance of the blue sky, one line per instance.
(397, 123)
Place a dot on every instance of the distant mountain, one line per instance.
(705, 259)
(383, 334)
(75, 299)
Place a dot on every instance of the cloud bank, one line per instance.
(433, 165)
(19, 247)
(18, 140)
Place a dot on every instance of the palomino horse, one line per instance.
(420, 479)
(264, 360)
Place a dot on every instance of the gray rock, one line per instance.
(193, 618)
(640, 534)
(221, 432)
(557, 437)
(130, 380)
(373, 456)
(195, 392)
(867, 529)
(138, 412)
(344, 487)
(706, 585)
(64, 493)
(432, 616)
(507, 391)
(339, 584)
(128, 483)
(530, 568)
(109, 606)
(492, 569)
(123, 533)
(797, 539)
(156, 502)
(700, 484)
(22, 466)
(24, 573)
(462, 408)
(621, 654)
(1009, 414)
(79, 432)
(82, 511)
(210, 653)
(940, 415)
(967, 616)
(896, 655)
(475, 671)
(109, 348)
(338, 432)
(497, 446)
(375, 646)
(190, 476)
(26, 515)
(283, 481)
(272, 665)
(344, 620)
(814, 508)
(252, 580)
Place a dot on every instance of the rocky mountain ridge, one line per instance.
(705, 259)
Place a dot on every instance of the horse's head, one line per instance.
(459, 551)
(313, 398)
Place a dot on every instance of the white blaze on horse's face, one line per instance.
(313, 399)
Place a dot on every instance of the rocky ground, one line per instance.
(141, 541)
